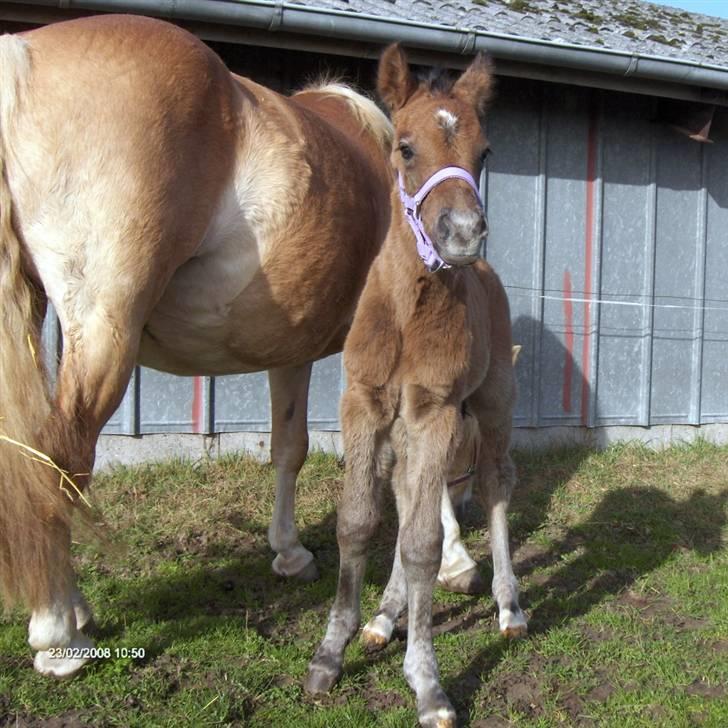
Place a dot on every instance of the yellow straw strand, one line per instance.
(44, 459)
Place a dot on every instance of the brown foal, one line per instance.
(426, 347)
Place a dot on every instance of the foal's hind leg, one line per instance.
(499, 476)
(494, 484)
(289, 447)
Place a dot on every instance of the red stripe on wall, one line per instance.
(591, 172)
(197, 404)
(569, 341)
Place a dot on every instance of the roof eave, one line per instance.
(324, 27)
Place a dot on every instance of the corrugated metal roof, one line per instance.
(630, 26)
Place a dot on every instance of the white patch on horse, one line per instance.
(448, 121)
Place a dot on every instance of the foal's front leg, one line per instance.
(458, 573)
(429, 446)
(358, 515)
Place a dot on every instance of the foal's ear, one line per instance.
(475, 86)
(395, 81)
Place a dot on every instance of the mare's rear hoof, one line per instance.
(56, 664)
(469, 582)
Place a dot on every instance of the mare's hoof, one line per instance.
(468, 582)
(308, 573)
(61, 662)
(320, 679)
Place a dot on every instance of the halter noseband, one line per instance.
(412, 205)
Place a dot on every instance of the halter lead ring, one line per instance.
(412, 206)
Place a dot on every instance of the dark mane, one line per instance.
(437, 81)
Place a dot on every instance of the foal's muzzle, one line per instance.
(461, 234)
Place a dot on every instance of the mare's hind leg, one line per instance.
(289, 447)
(97, 361)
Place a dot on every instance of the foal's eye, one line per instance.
(406, 151)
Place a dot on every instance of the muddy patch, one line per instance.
(660, 609)
(705, 690)
(71, 719)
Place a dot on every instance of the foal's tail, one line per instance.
(34, 511)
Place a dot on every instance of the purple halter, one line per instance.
(412, 206)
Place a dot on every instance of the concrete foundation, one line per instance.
(125, 450)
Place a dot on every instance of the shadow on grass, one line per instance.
(632, 532)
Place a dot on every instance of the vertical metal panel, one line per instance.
(595, 172)
(715, 342)
(563, 341)
(165, 402)
(649, 291)
(242, 403)
(325, 393)
(699, 307)
(678, 201)
(626, 233)
(515, 199)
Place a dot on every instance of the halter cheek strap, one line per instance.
(412, 207)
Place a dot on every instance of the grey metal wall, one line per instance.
(610, 232)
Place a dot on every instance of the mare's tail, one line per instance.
(35, 507)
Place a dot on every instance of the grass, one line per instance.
(621, 557)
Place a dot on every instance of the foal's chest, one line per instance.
(446, 337)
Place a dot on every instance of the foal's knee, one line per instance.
(421, 551)
(356, 522)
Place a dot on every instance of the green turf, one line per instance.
(623, 567)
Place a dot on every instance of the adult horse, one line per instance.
(174, 215)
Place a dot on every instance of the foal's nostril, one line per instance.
(481, 227)
(444, 225)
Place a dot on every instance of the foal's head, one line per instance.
(439, 123)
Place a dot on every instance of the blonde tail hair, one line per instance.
(35, 508)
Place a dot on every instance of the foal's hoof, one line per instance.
(441, 718)
(320, 679)
(513, 625)
(467, 582)
(376, 634)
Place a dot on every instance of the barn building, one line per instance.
(607, 196)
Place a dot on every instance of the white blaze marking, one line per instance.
(447, 120)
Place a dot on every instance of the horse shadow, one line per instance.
(630, 533)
